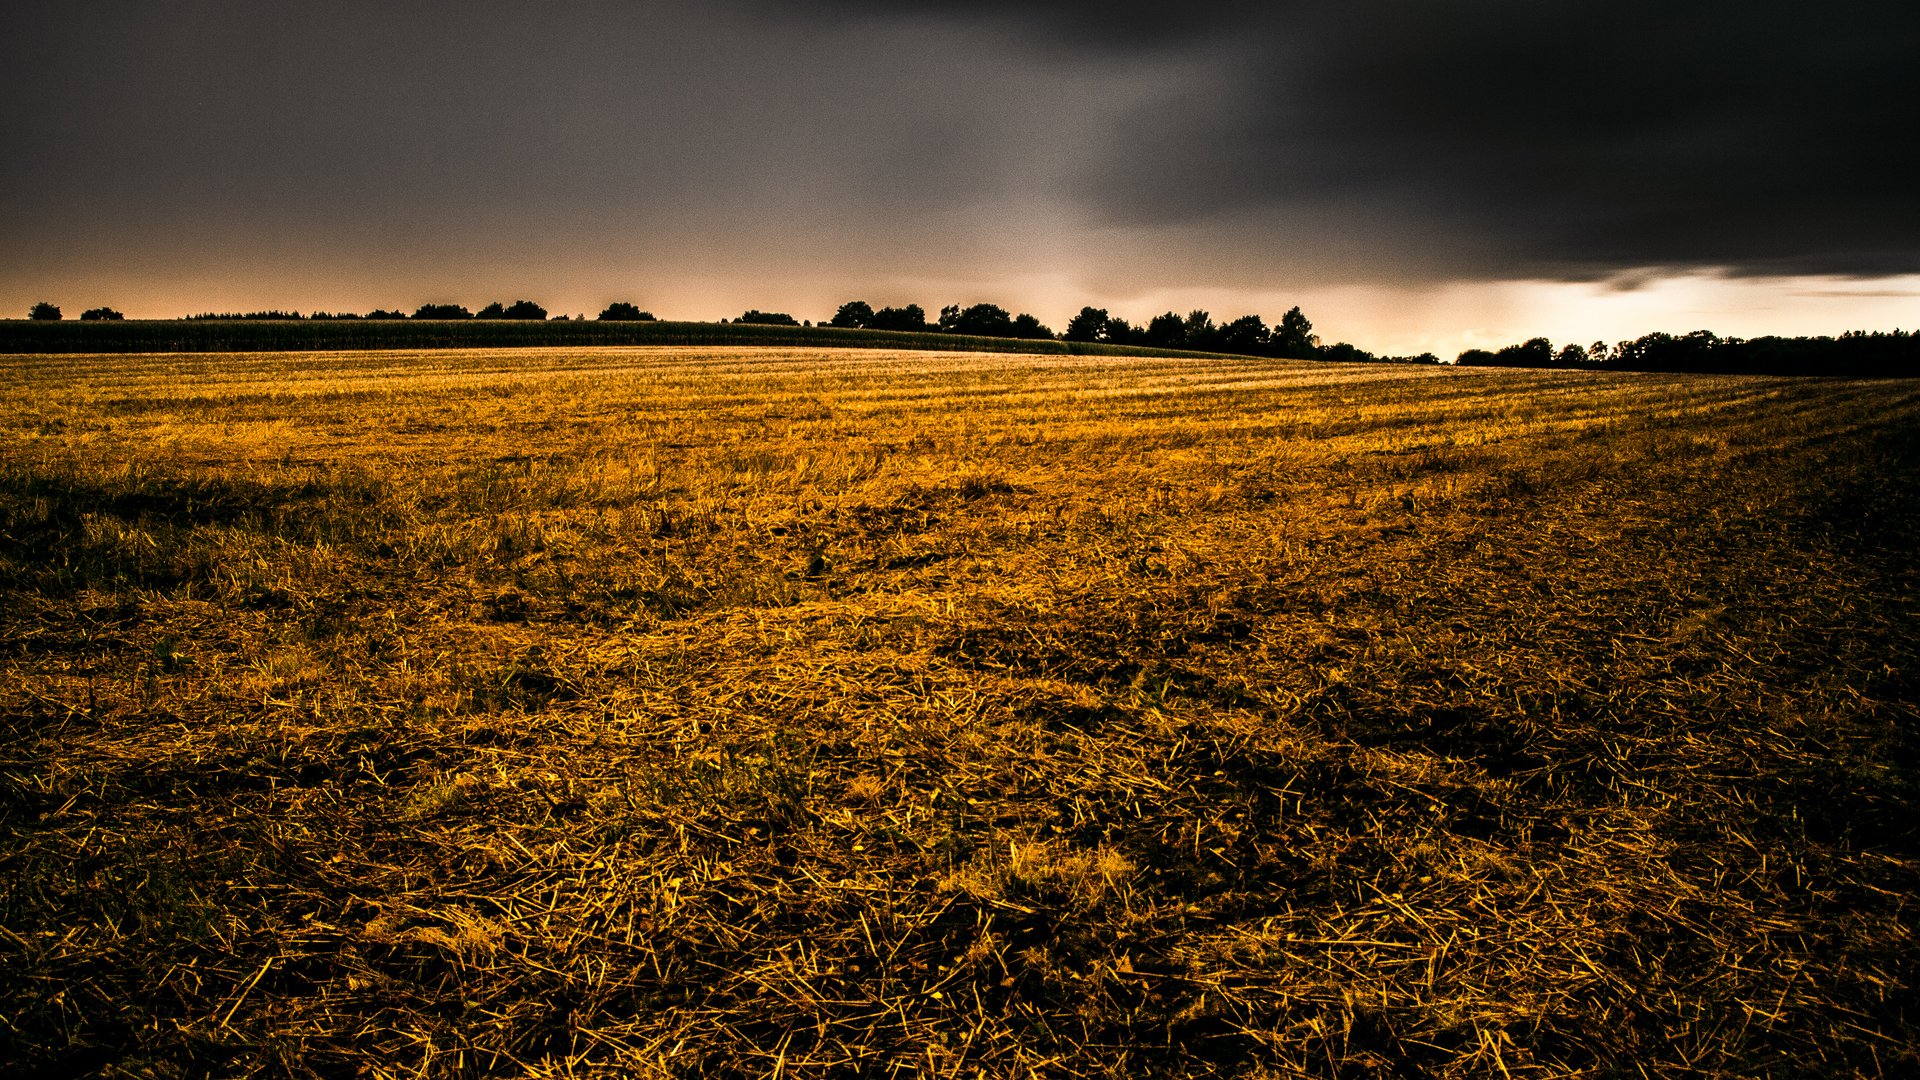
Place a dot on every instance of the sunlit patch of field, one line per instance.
(744, 711)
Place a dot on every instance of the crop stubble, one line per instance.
(744, 711)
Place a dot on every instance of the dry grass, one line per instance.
(744, 712)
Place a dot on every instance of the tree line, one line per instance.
(527, 310)
(44, 312)
(1249, 335)
(619, 311)
(1856, 353)
(978, 320)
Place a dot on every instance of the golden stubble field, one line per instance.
(741, 712)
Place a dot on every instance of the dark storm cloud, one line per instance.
(1117, 148)
(1508, 138)
(1078, 24)
(689, 136)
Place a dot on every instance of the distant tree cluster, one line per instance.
(1292, 338)
(978, 320)
(1249, 335)
(990, 320)
(1857, 353)
(620, 311)
(288, 316)
(519, 309)
(859, 315)
(45, 312)
(768, 318)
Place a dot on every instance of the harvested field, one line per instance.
(756, 711)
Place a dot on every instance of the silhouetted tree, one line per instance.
(1121, 332)
(1089, 325)
(621, 311)
(383, 313)
(853, 315)
(100, 314)
(1199, 330)
(1028, 328)
(1246, 335)
(43, 311)
(768, 318)
(1340, 351)
(1168, 331)
(1853, 354)
(1571, 356)
(1664, 352)
(1533, 352)
(443, 311)
(523, 309)
(980, 320)
(911, 318)
(1294, 336)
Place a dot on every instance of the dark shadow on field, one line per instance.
(175, 500)
(1860, 787)
(1873, 511)
(52, 523)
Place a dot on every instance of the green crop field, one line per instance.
(256, 335)
(717, 712)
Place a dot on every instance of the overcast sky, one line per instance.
(1431, 174)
